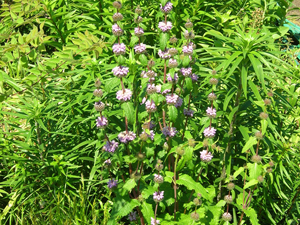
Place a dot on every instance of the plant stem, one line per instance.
(155, 211)
(165, 70)
(122, 84)
(126, 125)
(175, 187)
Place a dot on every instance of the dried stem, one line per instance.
(165, 70)
(175, 187)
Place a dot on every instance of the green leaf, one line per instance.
(250, 183)
(129, 185)
(228, 98)
(186, 61)
(147, 211)
(143, 59)
(163, 2)
(111, 84)
(189, 83)
(189, 182)
(244, 80)
(254, 170)
(129, 111)
(252, 141)
(134, 40)
(163, 38)
(251, 213)
(238, 172)
(173, 113)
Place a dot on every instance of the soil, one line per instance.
(294, 15)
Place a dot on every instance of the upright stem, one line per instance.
(175, 187)
(122, 84)
(165, 70)
(186, 119)
(126, 125)
(38, 134)
(155, 211)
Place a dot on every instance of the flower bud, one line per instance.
(151, 89)
(213, 146)
(260, 179)
(212, 97)
(271, 163)
(150, 73)
(191, 142)
(269, 170)
(213, 72)
(151, 63)
(270, 94)
(213, 81)
(197, 201)
(180, 151)
(158, 178)
(263, 115)
(194, 216)
(166, 146)
(140, 156)
(230, 186)
(188, 24)
(259, 135)
(139, 19)
(267, 101)
(173, 40)
(199, 195)
(256, 159)
(98, 93)
(227, 216)
(117, 4)
(144, 136)
(117, 17)
(173, 51)
(99, 106)
(205, 143)
(97, 83)
(177, 90)
(138, 10)
(189, 35)
(159, 166)
(228, 199)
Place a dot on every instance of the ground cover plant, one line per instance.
(148, 112)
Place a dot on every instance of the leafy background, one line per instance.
(51, 160)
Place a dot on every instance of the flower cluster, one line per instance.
(126, 137)
(101, 122)
(169, 131)
(124, 95)
(158, 196)
(111, 146)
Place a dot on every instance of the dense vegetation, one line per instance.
(220, 84)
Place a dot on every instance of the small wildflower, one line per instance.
(116, 30)
(151, 63)
(189, 35)
(167, 8)
(172, 99)
(206, 156)
(120, 71)
(111, 146)
(151, 89)
(138, 31)
(107, 162)
(173, 51)
(269, 170)
(211, 112)
(180, 150)
(164, 54)
(112, 183)
(188, 24)
(132, 216)
(138, 10)
(187, 49)
(188, 112)
(228, 199)
(169, 131)
(97, 83)
(260, 179)
(140, 156)
(173, 40)
(117, 4)
(178, 103)
(173, 63)
(140, 48)
(124, 96)
(212, 97)
(197, 201)
(101, 122)
(117, 17)
(270, 94)
(172, 80)
(151, 135)
(158, 178)
(150, 106)
(267, 101)
(209, 132)
(154, 221)
(125, 137)
(213, 81)
(186, 71)
(194, 77)
(99, 106)
(165, 27)
(158, 196)
(271, 163)
(259, 135)
(119, 49)
(150, 74)
(137, 20)
(159, 166)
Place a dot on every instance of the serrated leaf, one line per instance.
(254, 170)
(250, 183)
(147, 211)
(129, 185)
(163, 38)
(251, 213)
(252, 141)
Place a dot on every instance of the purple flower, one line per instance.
(138, 31)
(167, 8)
(166, 91)
(186, 71)
(117, 31)
(140, 48)
(211, 112)
(158, 196)
(120, 71)
(165, 27)
(151, 89)
(187, 49)
(158, 178)
(151, 74)
(132, 216)
(206, 156)
(164, 54)
(172, 99)
(173, 63)
(150, 106)
(151, 135)
(124, 96)
(111, 146)
(178, 102)
(143, 101)
(119, 49)
(194, 77)
(101, 122)
(209, 132)
(112, 183)
(107, 162)
(169, 131)
(172, 80)
(154, 221)
(188, 112)
(126, 137)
